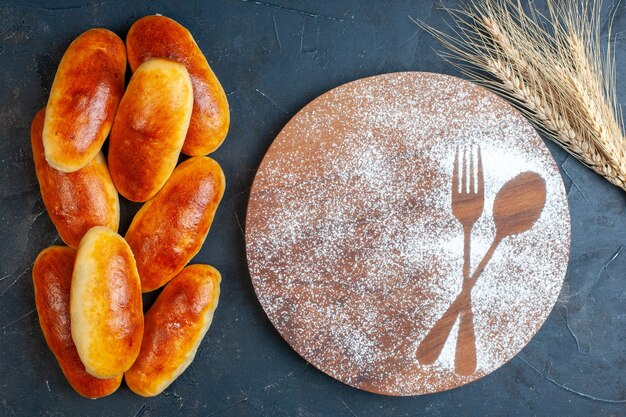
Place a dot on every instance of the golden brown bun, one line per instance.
(75, 201)
(150, 128)
(83, 99)
(160, 36)
(171, 228)
(52, 279)
(105, 304)
(174, 328)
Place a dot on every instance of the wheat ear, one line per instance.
(552, 68)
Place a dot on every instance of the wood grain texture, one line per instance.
(174, 327)
(52, 280)
(150, 128)
(356, 248)
(86, 91)
(162, 37)
(105, 304)
(171, 228)
(75, 201)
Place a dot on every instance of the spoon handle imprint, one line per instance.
(430, 347)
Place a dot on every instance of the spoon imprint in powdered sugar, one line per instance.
(517, 206)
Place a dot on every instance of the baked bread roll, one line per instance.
(75, 201)
(150, 128)
(171, 228)
(174, 327)
(52, 279)
(105, 304)
(87, 88)
(162, 37)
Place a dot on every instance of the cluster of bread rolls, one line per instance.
(88, 293)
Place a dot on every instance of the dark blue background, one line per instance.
(272, 57)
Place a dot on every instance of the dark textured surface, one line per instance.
(272, 58)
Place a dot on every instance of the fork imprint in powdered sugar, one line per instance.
(516, 208)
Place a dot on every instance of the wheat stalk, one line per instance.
(550, 67)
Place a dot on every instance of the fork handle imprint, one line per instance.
(430, 347)
(465, 353)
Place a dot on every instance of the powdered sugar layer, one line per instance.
(352, 245)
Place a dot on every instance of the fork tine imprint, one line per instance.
(481, 180)
(464, 172)
(455, 173)
(472, 185)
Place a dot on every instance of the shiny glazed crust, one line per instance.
(75, 201)
(83, 99)
(160, 36)
(52, 278)
(105, 304)
(150, 128)
(171, 228)
(174, 328)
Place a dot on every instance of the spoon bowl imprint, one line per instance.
(519, 204)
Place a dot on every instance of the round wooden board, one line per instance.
(355, 233)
